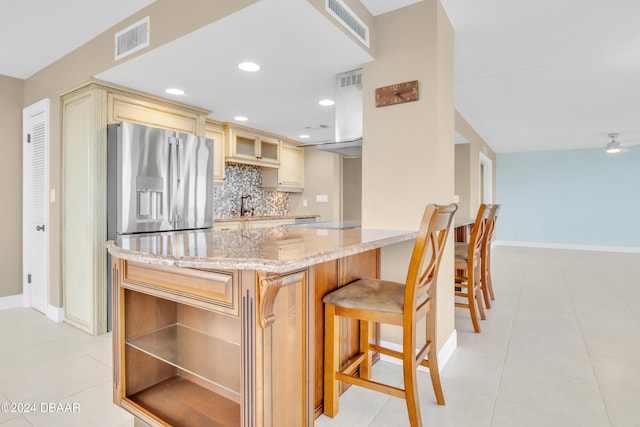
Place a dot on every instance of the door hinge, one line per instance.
(28, 278)
(29, 137)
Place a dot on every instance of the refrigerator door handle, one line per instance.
(179, 194)
(172, 182)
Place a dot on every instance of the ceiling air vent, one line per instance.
(345, 16)
(132, 39)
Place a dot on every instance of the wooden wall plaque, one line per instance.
(397, 93)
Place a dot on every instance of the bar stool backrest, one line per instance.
(431, 239)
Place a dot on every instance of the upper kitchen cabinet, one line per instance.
(126, 107)
(252, 147)
(290, 176)
(87, 109)
(215, 131)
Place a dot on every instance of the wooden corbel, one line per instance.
(268, 290)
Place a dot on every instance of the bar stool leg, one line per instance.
(472, 307)
(478, 299)
(484, 285)
(434, 372)
(331, 360)
(365, 339)
(411, 381)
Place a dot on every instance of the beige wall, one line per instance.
(169, 20)
(321, 176)
(408, 149)
(339, 178)
(11, 94)
(468, 168)
(463, 179)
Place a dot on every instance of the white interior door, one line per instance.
(35, 205)
(486, 185)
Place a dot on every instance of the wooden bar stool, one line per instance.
(401, 304)
(485, 260)
(485, 254)
(468, 269)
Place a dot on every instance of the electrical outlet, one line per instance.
(322, 198)
(304, 203)
(456, 199)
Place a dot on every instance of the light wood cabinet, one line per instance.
(252, 147)
(84, 219)
(289, 176)
(184, 360)
(130, 107)
(215, 131)
(164, 373)
(249, 224)
(87, 109)
(268, 223)
(227, 347)
(228, 225)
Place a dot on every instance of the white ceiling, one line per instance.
(548, 74)
(299, 59)
(530, 75)
(36, 33)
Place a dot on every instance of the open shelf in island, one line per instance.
(168, 344)
(180, 402)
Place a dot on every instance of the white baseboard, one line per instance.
(444, 354)
(625, 249)
(12, 301)
(15, 301)
(55, 313)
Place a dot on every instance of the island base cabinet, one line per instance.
(174, 363)
(182, 357)
(282, 355)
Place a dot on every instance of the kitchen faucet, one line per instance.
(243, 209)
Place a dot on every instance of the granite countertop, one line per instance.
(274, 249)
(262, 218)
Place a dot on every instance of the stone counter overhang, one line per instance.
(273, 250)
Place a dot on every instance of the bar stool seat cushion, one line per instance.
(371, 294)
(462, 252)
(461, 259)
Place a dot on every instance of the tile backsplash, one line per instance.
(242, 180)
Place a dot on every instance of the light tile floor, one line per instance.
(561, 347)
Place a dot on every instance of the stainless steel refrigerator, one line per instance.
(158, 180)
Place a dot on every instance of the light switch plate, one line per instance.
(322, 198)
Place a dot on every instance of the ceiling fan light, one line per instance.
(613, 147)
(250, 67)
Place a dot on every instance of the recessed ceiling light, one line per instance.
(249, 66)
(326, 102)
(304, 136)
(174, 91)
(240, 119)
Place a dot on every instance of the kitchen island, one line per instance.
(225, 328)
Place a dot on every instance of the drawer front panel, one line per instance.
(216, 289)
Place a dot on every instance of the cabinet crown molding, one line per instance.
(93, 83)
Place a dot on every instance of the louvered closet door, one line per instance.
(36, 204)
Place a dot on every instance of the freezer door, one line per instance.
(143, 179)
